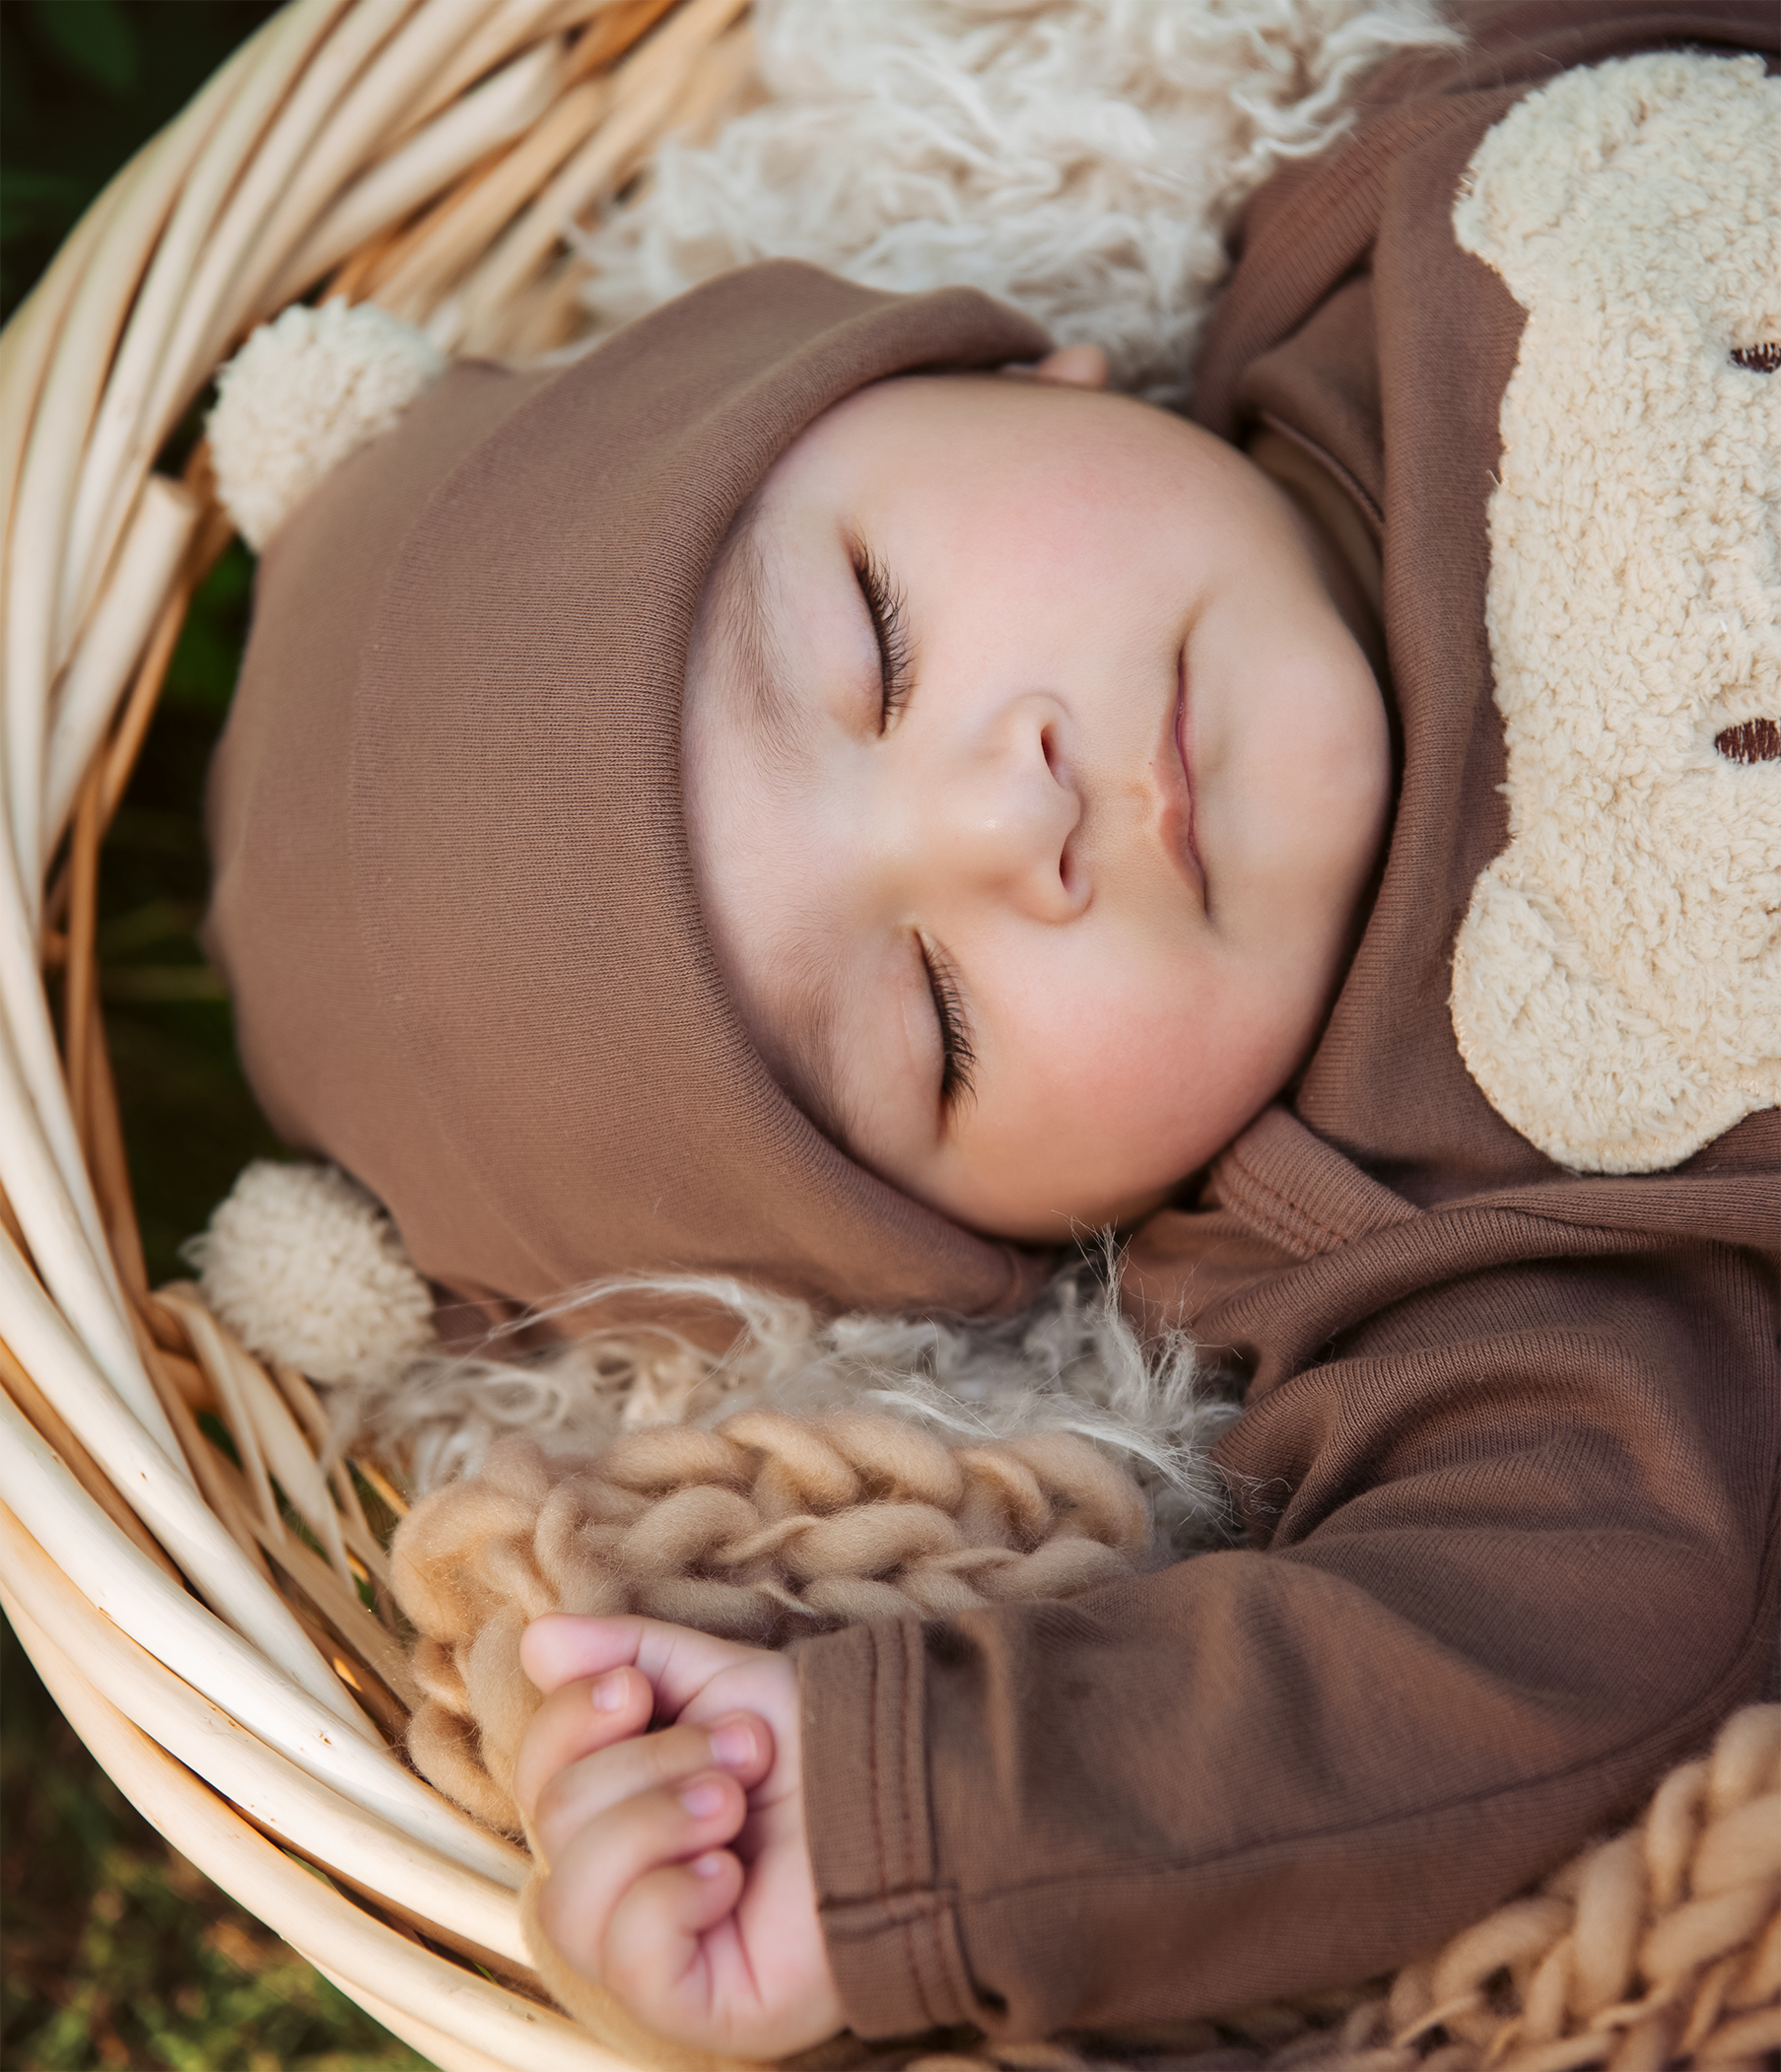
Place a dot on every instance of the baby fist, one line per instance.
(679, 1875)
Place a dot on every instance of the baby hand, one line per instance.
(679, 1875)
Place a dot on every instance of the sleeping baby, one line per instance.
(819, 791)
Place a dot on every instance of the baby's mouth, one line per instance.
(1177, 766)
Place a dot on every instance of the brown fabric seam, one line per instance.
(883, 1911)
(1344, 480)
(1292, 1214)
(1509, 1225)
(909, 1735)
(950, 1936)
(1510, 1231)
(873, 1785)
(1276, 1231)
(1335, 236)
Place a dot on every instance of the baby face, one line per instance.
(1033, 782)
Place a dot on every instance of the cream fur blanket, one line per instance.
(1080, 158)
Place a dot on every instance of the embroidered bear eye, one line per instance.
(1753, 741)
(1760, 359)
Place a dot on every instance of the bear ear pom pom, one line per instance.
(300, 395)
(305, 1266)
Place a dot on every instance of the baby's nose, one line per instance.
(1005, 813)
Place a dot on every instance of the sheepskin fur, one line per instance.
(1079, 159)
(1617, 980)
(306, 1268)
(300, 395)
(1070, 1365)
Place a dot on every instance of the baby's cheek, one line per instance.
(1154, 1071)
(1084, 1119)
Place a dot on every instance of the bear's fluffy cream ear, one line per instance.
(307, 1267)
(1559, 167)
(300, 395)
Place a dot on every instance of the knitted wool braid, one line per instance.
(768, 1528)
(1658, 1947)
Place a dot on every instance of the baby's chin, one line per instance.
(1035, 1218)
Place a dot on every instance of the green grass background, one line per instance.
(113, 1950)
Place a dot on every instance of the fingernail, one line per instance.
(609, 1691)
(732, 1745)
(704, 1799)
(708, 1865)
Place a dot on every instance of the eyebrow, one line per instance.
(807, 1011)
(804, 1008)
(754, 661)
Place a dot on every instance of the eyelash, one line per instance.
(958, 1061)
(885, 604)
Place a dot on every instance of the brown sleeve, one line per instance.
(1515, 1556)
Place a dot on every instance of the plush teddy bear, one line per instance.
(1617, 979)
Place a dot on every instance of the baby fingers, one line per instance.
(576, 1721)
(609, 1775)
(628, 1850)
(661, 1957)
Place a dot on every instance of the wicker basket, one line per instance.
(228, 1675)
(426, 151)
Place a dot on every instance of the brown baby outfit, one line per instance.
(1511, 1453)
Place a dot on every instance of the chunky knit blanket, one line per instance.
(768, 1529)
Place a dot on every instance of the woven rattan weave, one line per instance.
(229, 1675)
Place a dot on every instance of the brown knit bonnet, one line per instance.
(454, 898)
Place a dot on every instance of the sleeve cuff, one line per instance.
(893, 1940)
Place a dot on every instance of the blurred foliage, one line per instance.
(83, 83)
(118, 1952)
(113, 1950)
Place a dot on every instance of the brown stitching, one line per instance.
(1283, 1235)
(871, 1713)
(911, 1919)
(907, 1866)
(915, 1972)
(1278, 1227)
(1344, 478)
(1761, 358)
(902, 1745)
(1287, 1202)
(1751, 742)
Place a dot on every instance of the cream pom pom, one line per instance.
(307, 1267)
(300, 395)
